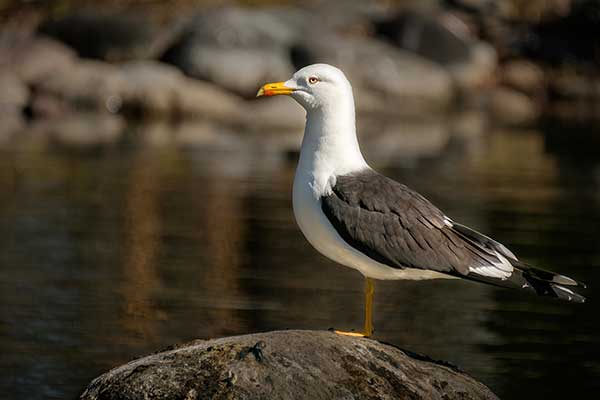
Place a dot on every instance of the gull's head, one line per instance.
(316, 86)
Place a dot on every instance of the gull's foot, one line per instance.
(353, 334)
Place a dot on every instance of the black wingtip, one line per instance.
(566, 294)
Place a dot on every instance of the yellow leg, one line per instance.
(368, 329)
(369, 291)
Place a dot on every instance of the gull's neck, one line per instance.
(330, 146)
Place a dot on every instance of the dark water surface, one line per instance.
(110, 254)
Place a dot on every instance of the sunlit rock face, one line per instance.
(286, 365)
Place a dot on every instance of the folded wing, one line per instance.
(398, 227)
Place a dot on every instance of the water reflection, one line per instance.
(110, 254)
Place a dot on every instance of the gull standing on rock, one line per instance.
(366, 221)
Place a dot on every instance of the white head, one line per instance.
(330, 146)
(317, 87)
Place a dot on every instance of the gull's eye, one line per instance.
(313, 79)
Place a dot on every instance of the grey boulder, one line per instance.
(237, 48)
(286, 365)
(385, 79)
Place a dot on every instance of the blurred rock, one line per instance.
(143, 88)
(14, 93)
(13, 99)
(476, 73)
(160, 89)
(509, 107)
(34, 59)
(107, 36)
(86, 84)
(44, 105)
(446, 40)
(427, 36)
(238, 70)
(11, 123)
(286, 365)
(278, 114)
(82, 131)
(237, 48)
(403, 142)
(523, 76)
(381, 74)
(207, 134)
(357, 16)
(469, 124)
(572, 84)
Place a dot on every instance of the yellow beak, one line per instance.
(274, 89)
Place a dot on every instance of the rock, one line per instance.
(275, 114)
(385, 79)
(570, 84)
(12, 124)
(424, 34)
(14, 93)
(160, 89)
(237, 48)
(107, 36)
(85, 84)
(512, 108)
(141, 88)
(286, 365)
(403, 142)
(446, 40)
(82, 131)
(13, 99)
(35, 59)
(205, 134)
(478, 71)
(47, 106)
(201, 99)
(239, 70)
(357, 16)
(523, 76)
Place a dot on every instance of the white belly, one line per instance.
(322, 235)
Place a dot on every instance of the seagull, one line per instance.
(364, 220)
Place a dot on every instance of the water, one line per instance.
(112, 253)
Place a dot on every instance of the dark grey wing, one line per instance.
(398, 227)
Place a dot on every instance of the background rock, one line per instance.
(108, 36)
(13, 99)
(237, 48)
(427, 36)
(35, 58)
(286, 365)
(381, 74)
(509, 107)
(445, 40)
(82, 131)
(523, 76)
